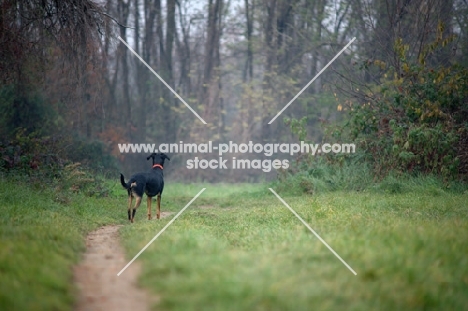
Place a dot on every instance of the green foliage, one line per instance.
(23, 111)
(93, 154)
(324, 174)
(74, 179)
(412, 120)
(298, 127)
(29, 153)
(53, 161)
(33, 142)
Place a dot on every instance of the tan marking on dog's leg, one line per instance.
(137, 204)
(148, 205)
(159, 206)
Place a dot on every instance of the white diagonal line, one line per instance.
(167, 85)
(312, 230)
(160, 232)
(316, 76)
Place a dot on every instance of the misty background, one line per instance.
(72, 91)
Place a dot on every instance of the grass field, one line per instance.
(238, 248)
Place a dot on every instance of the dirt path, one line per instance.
(96, 276)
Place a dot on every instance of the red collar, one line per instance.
(158, 165)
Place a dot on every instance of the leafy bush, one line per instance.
(53, 161)
(24, 111)
(413, 120)
(30, 147)
(413, 123)
(92, 154)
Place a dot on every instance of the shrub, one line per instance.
(24, 111)
(413, 121)
(52, 161)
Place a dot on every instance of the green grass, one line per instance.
(246, 251)
(238, 248)
(40, 241)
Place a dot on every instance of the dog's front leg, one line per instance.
(159, 207)
(148, 205)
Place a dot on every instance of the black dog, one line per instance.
(151, 183)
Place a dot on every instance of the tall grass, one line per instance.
(321, 177)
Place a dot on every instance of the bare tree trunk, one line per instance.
(317, 39)
(210, 88)
(270, 69)
(270, 40)
(248, 68)
(108, 108)
(183, 48)
(123, 9)
(141, 72)
(221, 110)
(85, 118)
(171, 102)
(159, 88)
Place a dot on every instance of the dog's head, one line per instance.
(158, 158)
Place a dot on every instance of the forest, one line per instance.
(71, 90)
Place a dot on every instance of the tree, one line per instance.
(35, 34)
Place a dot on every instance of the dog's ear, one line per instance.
(164, 156)
(151, 156)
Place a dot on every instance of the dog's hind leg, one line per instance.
(137, 204)
(159, 206)
(148, 205)
(129, 209)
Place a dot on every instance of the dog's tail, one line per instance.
(122, 181)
